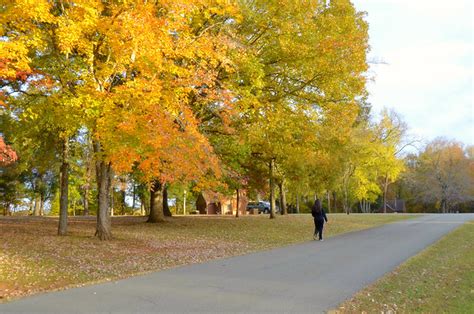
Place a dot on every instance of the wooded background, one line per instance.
(108, 101)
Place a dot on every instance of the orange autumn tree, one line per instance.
(7, 154)
(14, 65)
(14, 59)
(164, 140)
(135, 69)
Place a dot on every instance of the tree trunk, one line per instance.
(334, 204)
(328, 196)
(31, 205)
(103, 229)
(143, 203)
(146, 204)
(184, 202)
(111, 197)
(297, 203)
(444, 206)
(284, 210)
(156, 203)
(238, 203)
(63, 198)
(86, 202)
(85, 197)
(104, 177)
(42, 198)
(123, 194)
(134, 197)
(346, 201)
(123, 205)
(166, 208)
(6, 209)
(385, 188)
(87, 186)
(36, 212)
(272, 189)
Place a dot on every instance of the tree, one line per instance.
(101, 72)
(11, 191)
(287, 94)
(391, 132)
(442, 175)
(44, 95)
(249, 92)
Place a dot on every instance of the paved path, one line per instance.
(309, 277)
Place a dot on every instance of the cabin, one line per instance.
(214, 203)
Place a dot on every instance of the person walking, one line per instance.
(319, 217)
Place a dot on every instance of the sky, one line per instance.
(426, 74)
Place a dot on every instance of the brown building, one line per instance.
(213, 203)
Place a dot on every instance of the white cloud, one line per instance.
(429, 77)
(432, 66)
(430, 7)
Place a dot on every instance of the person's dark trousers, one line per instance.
(318, 228)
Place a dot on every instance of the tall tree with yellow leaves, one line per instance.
(307, 62)
(126, 71)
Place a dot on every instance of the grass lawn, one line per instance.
(34, 259)
(438, 280)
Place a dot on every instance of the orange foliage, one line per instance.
(167, 66)
(7, 154)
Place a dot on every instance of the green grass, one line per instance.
(33, 259)
(440, 279)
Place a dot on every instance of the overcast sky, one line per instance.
(428, 47)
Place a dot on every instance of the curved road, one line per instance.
(310, 277)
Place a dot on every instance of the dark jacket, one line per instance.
(321, 216)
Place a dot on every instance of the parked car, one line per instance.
(262, 206)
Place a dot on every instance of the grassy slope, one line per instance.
(34, 259)
(438, 280)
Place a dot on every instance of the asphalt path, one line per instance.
(311, 277)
